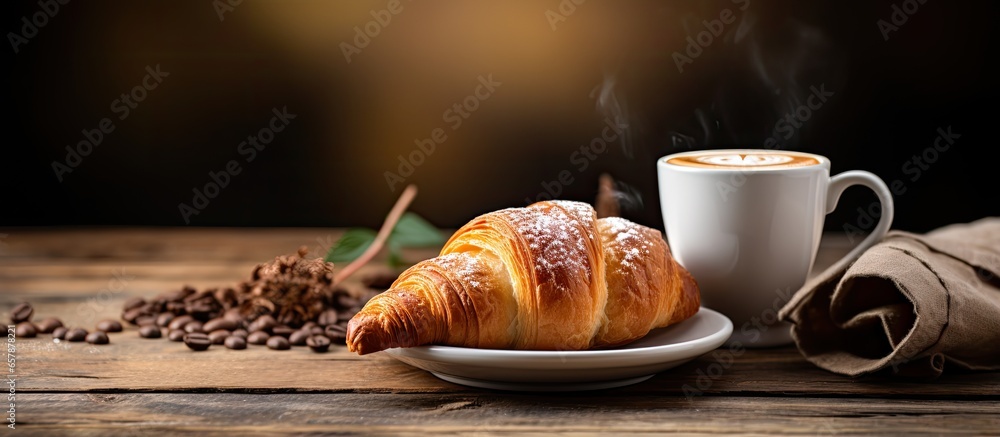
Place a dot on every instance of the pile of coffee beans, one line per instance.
(291, 301)
(24, 328)
(231, 328)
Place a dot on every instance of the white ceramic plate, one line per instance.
(521, 370)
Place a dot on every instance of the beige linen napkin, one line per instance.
(908, 305)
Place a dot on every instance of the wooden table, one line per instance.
(136, 386)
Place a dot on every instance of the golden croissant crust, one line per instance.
(550, 276)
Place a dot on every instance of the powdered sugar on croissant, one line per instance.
(550, 276)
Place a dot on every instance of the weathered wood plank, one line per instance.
(131, 363)
(102, 270)
(68, 288)
(123, 279)
(490, 413)
(184, 245)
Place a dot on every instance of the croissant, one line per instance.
(550, 276)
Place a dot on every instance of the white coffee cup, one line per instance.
(747, 225)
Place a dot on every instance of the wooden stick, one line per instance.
(607, 202)
(383, 234)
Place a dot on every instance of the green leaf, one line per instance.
(350, 245)
(411, 231)
(395, 255)
(414, 231)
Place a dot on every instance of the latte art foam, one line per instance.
(744, 160)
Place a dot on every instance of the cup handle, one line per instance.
(846, 179)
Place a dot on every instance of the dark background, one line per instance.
(607, 59)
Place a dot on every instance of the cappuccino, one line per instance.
(747, 224)
(744, 160)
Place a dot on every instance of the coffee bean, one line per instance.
(298, 338)
(198, 296)
(180, 321)
(200, 310)
(176, 308)
(150, 331)
(133, 314)
(176, 334)
(164, 297)
(197, 341)
(235, 342)
(25, 330)
(76, 334)
(109, 325)
(307, 326)
(278, 343)
(226, 297)
(258, 337)
(289, 319)
(133, 303)
(344, 316)
(381, 278)
(22, 313)
(344, 301)
(219, 323)
(179, 295)
(318, 343)
(282, 330)
(145, 320)
(59, 333)
(163, 320)
(316, 330)
(263, 323)
(97, 337)
(367, 296)
(336, 334)
(155, 307)
(241, 333)
(48, 325)
(236, 313)
(194, 326)
(218, 336)
(327, 317)
(187, 290)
